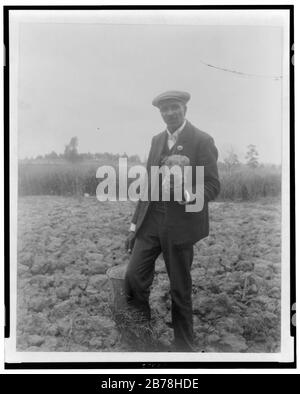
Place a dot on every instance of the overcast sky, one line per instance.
(97, 81)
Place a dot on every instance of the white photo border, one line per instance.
(171, 16)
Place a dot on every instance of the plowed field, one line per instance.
(65, 247)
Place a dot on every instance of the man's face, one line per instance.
(173, 113)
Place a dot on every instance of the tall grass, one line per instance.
(63, 178)
(245, 183)
(56, 179)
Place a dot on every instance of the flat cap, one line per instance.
(171, 95)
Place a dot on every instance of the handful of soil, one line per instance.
(179, 160)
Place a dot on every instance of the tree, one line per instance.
(252, 156)
(71, 151)
(52, 156)
(231, 161)
(134, 159)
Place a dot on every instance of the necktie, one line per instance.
(171, 141)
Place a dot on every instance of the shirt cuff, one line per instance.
(187, 198)
(132, 227)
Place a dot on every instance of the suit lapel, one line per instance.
(160, 143)
(183, 138)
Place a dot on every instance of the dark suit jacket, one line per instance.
(198, 146)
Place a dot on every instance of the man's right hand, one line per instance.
(129, 243)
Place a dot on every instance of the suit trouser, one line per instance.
(152, 239)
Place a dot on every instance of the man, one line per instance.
(166, 226)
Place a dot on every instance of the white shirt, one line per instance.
(172, 137)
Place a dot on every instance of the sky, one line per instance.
(96, 81)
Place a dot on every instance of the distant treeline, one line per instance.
(61, 177)
(74, 157)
